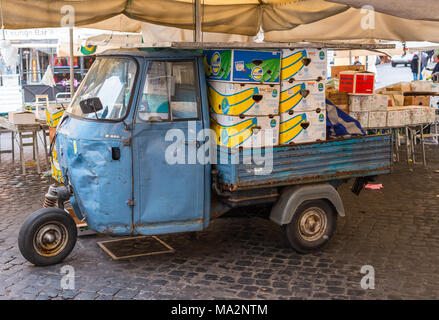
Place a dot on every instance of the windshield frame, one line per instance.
(130, 102)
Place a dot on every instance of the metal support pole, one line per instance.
(423, 146)
(72, 72)
(407, 144)
(197, 21)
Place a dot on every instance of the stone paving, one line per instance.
(241, 256)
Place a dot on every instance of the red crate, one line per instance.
(357, 82)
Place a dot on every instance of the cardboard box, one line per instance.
(338, 98)
(400, 86)
(332, 85)
(303, 64)
(425, 86)
(302, 127)
(421, 114)
(248, 99)
(362, 117)
(398, 117)
(302, 96)
(417, 115)
(247, 131)
(335, 70)
(242, 66)
(21, 117)
(395, 99)
(377, 119)
(375, 102)
(434, 102)
(417, 100)
(53, 116)
(357, 82)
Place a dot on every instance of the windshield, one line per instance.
(111, 80)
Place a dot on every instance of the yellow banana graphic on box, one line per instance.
(291, 128)
(292, 64)
(291, 97)
(207, 68)
(233, 135)
(234, 104)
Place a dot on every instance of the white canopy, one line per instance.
(280, 20)
(348, 26)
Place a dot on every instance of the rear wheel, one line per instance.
(47, 236)
(312, 226)
(393, 65)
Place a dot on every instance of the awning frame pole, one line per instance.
(197, 20)
(72, 63)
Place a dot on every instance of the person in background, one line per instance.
(436, 67)
(424, 63)
(415, 66)
(357, 61)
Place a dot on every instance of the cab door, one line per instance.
(169, 184)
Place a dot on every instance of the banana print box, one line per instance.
(242, 66)
(256, 66)
(248, 99)
(303, 64)
(218, 64)
(234, 131)
(302, 127)
(302, 96)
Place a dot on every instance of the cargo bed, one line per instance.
(307, 163)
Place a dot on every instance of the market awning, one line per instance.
(246, 17)
(347, 26)
(408, 9)
(280, 20)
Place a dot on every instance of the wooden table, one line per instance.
(26, 131)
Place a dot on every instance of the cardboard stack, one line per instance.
(369, 110)
(411, 103)
(243, 88)
(302, 101)
(258, 94)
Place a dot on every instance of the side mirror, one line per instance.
(91, 105)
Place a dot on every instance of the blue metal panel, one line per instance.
(170, 197)
(312, 162)
(101, 185)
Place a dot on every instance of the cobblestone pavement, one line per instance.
(396, 230)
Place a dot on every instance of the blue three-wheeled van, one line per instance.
(137, 111)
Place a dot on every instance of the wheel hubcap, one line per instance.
(50, 239)
(312, 224)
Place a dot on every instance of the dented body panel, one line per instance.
(101, 185)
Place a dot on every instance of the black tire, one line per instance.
(47, 236)
(297, 233)
(393, 65)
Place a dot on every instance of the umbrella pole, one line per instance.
(72, 74)
(197, 20)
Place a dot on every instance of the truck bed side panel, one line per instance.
(306, 163)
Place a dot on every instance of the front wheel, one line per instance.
(47, 236)
(312, 226)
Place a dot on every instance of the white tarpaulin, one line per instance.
(280, 20)
(408, 9)
(354, 24)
